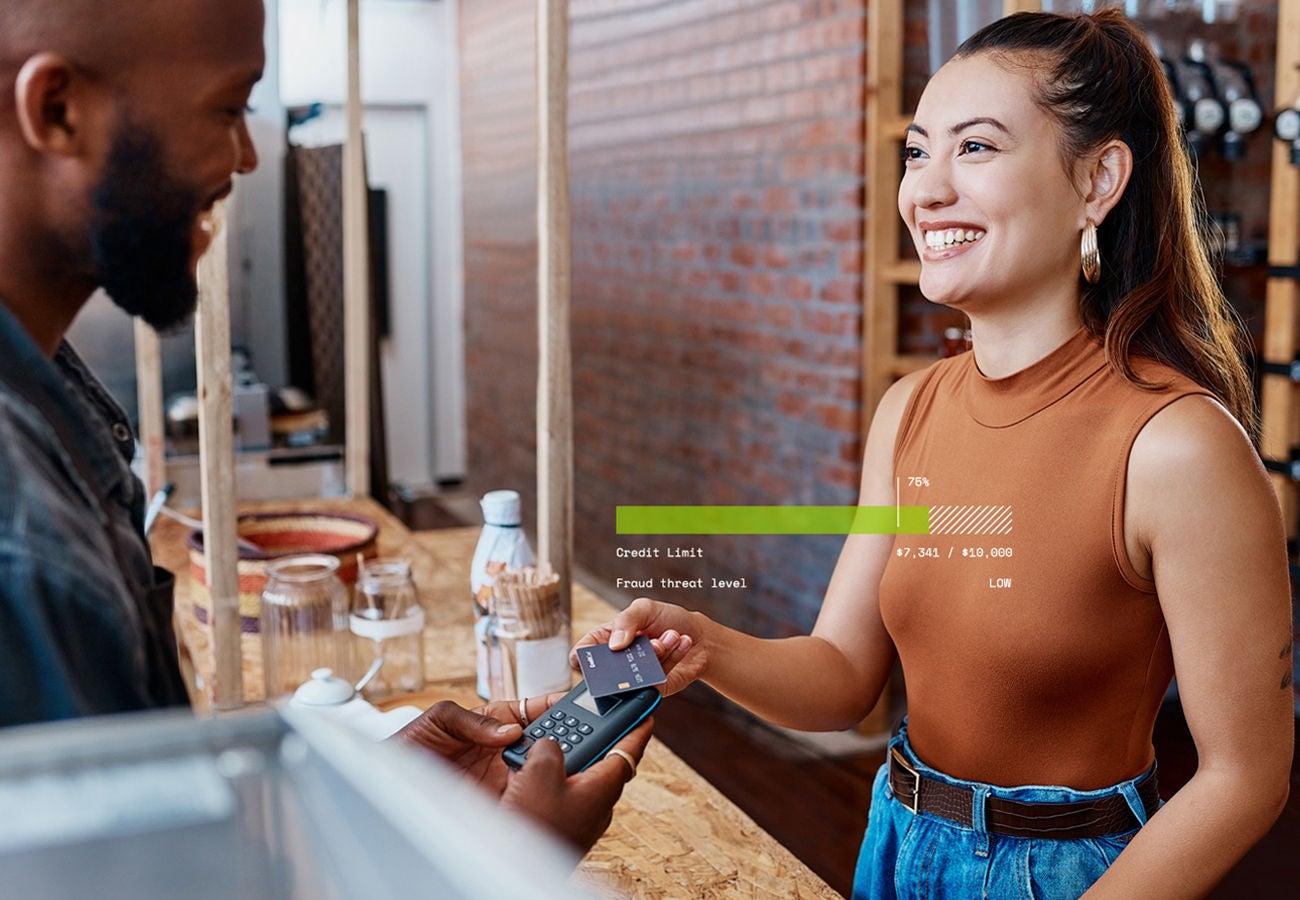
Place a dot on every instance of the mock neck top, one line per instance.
(1032, 651)
(1002, 402)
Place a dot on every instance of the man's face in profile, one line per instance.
(140, 231)
(179, 136)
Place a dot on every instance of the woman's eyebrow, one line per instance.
(978, 120)
(962, 126)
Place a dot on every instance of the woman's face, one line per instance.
(993, 214)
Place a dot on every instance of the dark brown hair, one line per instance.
(1158, 296)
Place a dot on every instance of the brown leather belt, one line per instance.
(1059, 821)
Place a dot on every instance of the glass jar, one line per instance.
(387, 622)
(304, 620)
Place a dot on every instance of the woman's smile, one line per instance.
(945, 241)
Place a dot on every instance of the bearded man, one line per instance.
(121, 126)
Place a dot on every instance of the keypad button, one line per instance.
(575, 738)
(565, 746)
(557, 714)
(584, 728)
(561, 730)
(537, 732)
(551, 737)
(571, 721)
(548, 723)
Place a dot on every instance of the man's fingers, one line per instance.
(606, 779)
(636, 740)
(615, 769)
(474, 725)
(545, 761)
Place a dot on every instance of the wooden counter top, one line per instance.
(673, 834)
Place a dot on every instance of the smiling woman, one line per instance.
(1050, 199)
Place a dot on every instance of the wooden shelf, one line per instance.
(904, 271)
(1280, 404)
(896, 126)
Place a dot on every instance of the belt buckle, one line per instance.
(916, 779)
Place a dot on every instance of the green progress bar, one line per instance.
(773, 520)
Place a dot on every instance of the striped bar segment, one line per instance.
(970, 520)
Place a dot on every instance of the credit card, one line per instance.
(608, 672)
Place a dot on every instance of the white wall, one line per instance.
(408, 71)
(255, 216)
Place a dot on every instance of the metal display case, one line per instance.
(270, 804)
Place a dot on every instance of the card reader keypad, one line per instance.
(582, 733)
(566, 730)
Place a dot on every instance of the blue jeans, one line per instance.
(926, 856)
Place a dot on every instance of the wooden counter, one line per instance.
(673, 834)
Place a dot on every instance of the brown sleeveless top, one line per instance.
(1032, 651)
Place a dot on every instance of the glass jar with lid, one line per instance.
(387, 622)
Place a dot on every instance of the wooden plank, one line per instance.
(217, 466)
(906, 271)
(883, 114)
(356, 278)
(895, 126)
(1278, 406)
(554, 381)
(149, 404)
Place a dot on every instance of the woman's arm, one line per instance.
(824, 681)
(1202, 516)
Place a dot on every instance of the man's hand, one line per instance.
(577, 808)
(470, 740)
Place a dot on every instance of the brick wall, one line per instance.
(715, 155)
(716, 178)
(499, 153)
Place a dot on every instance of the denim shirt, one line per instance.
(85, 619)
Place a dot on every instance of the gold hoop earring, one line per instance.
(1091, 256)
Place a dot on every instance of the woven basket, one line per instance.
(279, 535)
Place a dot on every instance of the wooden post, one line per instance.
(149, 402)
(356, 278)
(217, 467)
(554, 385)
(1278, 407)
(884, 124)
